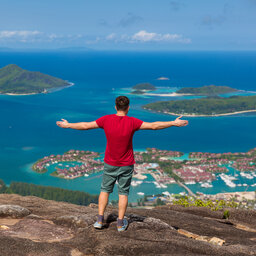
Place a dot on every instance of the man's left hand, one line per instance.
(63, 124)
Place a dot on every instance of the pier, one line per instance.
(184, 186)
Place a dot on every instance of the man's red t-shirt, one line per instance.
(119, 132)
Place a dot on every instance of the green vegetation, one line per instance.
(2, 187)
(159, 202)
(207, 90)
(226, 214)
(144, 86)
(55, 174)
(49, 193)
(214, 205)
(205, 106)
(16, 80)
(168, 168)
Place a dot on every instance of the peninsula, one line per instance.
(207, 90)
(70, 165)
(17, 81)
(210, 106)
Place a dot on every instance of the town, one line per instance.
(165, 166)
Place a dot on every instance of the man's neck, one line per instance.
(121, 113)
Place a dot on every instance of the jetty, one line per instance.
(184, 186)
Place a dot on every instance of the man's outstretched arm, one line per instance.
(78, 126)
(162, 125)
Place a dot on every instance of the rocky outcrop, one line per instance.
(14, 211)
(33, 226)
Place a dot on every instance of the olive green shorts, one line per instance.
(121, 174)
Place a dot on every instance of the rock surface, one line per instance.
(35, 227)
(13, 211)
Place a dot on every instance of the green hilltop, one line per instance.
(15, 80)
(205, 106)
(144, 86)
(207, 90)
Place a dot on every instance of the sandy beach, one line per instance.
(225, 114)
(19, 94)
(162, 78)
(174, 94)
(33, 93)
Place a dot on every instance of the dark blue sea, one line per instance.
(28, 128)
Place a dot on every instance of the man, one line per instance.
(119, 159)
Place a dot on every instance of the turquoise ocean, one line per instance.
(28, 128)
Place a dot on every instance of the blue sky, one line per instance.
(129, 25)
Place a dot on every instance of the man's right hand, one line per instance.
(179, 122)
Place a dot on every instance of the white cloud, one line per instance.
(111, 36)
(35, 36)
(143, 36)
(18, 33)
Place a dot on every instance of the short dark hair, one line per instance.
(122, 103)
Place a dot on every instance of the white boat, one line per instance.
(133, 183)
(166, 193)
(86, 175)
(190, 182)
(206, 185)
(228, 180)
(246, 175)
(157, 184)
(141, 193)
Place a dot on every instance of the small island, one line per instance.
(210, 106)
(142, 88)
(208, 90)
(17, 81)
(163, 78)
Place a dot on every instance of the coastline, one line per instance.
(249, 195)
(174, 94)
(20, 94)
(34, 93)
(191, 115)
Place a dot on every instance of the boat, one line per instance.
(190, 182)
(206, 185)
(140, 193)
(228, 180)
(133, 183)
(246, 175)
